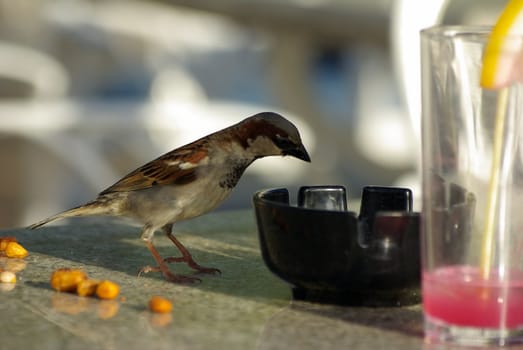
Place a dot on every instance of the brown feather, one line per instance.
(164, 170)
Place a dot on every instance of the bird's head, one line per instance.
(270, 134)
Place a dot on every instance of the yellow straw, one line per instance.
(487, 247)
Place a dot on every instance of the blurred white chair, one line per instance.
(46, 76)
(48, 81)
(29, 117)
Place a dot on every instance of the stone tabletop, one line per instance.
(246, 307)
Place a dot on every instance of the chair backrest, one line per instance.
(29, 73)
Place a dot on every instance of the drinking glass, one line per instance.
(472, 169)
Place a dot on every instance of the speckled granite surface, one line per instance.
(245, 307)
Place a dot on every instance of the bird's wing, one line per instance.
(178, 167)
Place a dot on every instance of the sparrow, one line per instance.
(190, 181)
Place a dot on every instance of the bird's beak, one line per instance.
(299, 152)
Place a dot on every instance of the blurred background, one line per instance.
(89, 90)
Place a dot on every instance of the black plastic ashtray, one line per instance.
(331, 254)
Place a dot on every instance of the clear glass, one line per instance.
(472, 242)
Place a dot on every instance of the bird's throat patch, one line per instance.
(231, 178)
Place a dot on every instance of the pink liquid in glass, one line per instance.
(458, 295)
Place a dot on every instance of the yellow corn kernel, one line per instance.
(15, 250)
(67, 280)
(4, 241)
(7, 277)
(86, 288)
(160, 305)
(107, 290)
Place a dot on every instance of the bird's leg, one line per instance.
(186, 256)
(162, 267)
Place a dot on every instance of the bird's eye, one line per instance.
(283, 142)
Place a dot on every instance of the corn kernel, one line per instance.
(86, 288)
(5, 240)
(15, 250)
(7, 277)
(67, 280)
(160, 305)
(107, 290)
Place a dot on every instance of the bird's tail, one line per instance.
(91, 208)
